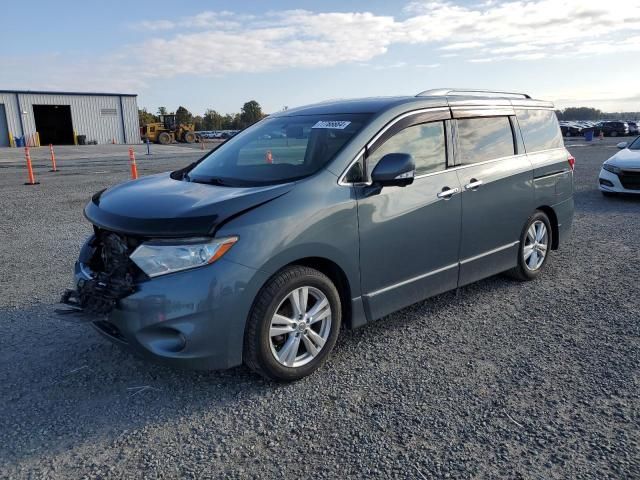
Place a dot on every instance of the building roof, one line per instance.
(88, 94)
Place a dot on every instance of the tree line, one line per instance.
(587, 113)
(250, 113)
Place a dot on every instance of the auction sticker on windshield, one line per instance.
(335, 124)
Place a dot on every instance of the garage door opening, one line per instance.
(4, 129)
(53, 123)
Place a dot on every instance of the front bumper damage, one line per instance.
(193, 319)
(104, 275)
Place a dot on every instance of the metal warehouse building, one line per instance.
(61, 118)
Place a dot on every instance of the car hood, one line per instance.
(159, 206)
(626, 159)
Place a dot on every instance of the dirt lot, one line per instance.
(507, 379)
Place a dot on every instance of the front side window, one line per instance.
(424, 142)
(278, 149)
(540, 129)
(484, 138)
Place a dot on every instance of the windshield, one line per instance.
(278, 149)
(635, 145)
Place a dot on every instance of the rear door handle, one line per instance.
(473, 184)
(447, 192)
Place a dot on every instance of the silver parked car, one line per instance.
(324, 216)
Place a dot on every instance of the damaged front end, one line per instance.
(104, 275)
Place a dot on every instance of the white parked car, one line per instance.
(621, 173)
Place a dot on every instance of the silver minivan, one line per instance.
(330, 215)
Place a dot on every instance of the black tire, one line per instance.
(189, 137)
(521, 271)
(258, 355)
(164, 138)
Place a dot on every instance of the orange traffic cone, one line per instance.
(32, 178)
(54, 168)
(132, 161)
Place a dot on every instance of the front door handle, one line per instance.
(447, 192)
(473, 184)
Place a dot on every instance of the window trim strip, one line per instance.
(377, 136)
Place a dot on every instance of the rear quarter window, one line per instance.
(540, 129)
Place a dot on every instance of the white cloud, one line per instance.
(155, 25)
(519, 48)
(204, 20)
(462, 46)
(216, 43)
(391, 66)
(219, 43)
(484, 60)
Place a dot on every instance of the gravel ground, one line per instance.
(507, 379)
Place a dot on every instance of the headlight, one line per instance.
(611, 168)
(159, 257)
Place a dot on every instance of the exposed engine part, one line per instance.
(113, 277)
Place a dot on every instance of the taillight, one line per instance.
(572, 161)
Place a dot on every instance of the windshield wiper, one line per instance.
(212, 181)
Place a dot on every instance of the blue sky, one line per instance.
(214, 54)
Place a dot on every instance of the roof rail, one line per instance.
(443, 92)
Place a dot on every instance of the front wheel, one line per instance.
(164, 138)
(293, 325)
(535, 243)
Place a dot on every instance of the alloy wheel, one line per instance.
(536, 245)
(300, 327)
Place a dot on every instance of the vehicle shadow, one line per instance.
(63, 386)
(594, 201)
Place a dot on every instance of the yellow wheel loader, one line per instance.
(167, 131)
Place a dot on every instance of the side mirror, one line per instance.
(394, 170)
(622, 145)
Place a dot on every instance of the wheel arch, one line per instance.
(337, 275)
(553, 220)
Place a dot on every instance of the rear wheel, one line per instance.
(535, 243)
(293, 324)
(164, 138)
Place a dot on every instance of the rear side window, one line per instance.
(482, 139)
(540, 129)
(424, 142)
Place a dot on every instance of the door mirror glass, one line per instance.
(622, 145)
(394, 170)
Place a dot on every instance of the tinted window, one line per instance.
(425, 143)
(278, 149)
(482, 139)
(539, 129)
